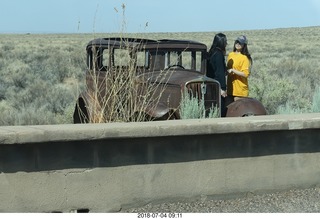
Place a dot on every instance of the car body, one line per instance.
(152, 76)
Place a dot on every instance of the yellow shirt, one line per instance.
(238, 85)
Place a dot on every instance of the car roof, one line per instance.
(147, 43)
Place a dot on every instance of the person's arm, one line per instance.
(240, 73)
(244, 70)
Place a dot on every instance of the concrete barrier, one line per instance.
(109, 167)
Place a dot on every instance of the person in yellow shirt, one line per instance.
(239, 63)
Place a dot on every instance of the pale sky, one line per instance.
(146, 16)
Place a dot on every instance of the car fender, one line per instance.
(81, 112)
(245, 107)
(157, 111)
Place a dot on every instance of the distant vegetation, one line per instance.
(41, 76)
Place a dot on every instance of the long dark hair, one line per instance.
(244, 51)
(219, 42)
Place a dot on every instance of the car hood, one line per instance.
(173, 77)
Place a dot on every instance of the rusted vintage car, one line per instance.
(162, 71)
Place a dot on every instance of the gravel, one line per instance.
(291, 201)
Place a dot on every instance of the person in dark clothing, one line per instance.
(216, 66)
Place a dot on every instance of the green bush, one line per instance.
(192, 108)
(316, 101)
(291, 108)
(39, 81)
(288, 108)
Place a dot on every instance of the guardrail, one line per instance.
(108, 167)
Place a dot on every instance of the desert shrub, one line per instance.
(7, 47)
(40, 79)
(271, 90)
(67, 115)
(59, 98)
(27, 116)
(51, 106)
(289, 108)
(316, 101)
(193, 108)
(287, 79)
(292, 108)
